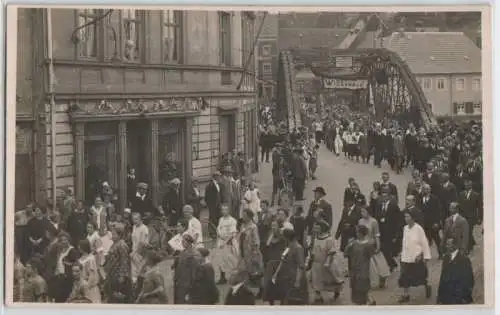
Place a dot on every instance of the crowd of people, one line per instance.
(275, 250)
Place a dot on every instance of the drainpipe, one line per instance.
(52, 107)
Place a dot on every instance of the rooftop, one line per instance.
(310, 37)
(431, 52)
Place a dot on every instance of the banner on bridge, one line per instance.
(345, 84)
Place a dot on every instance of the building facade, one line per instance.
(267, 58)
(163, 92)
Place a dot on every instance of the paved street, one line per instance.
(333, 173)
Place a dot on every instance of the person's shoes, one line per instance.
(428, 291)
(372, 302)
(404, 299)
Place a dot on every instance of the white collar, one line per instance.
(137, 194)
(454, 254)
(235, 288)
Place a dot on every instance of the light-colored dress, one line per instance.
(251, 200)
(195, 230)
(140, 237)
(96, 247)
(378, 265)
(90, 274)
(225, 255)
(99, 215)
(324, 278)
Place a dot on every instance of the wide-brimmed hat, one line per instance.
(320, 189)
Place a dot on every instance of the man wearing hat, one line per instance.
(141, 202)
(320, 209)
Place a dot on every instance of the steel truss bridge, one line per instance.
(392, 85)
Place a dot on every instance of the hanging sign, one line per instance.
(345, 84)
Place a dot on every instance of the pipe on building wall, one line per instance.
(50, 60)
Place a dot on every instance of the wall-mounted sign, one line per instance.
(345, 84)
(343, 62)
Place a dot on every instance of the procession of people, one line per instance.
(277, 251)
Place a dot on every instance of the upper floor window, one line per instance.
(267, 68)
(460, 84)
(476, 84)
(87, 33)
(172, 36)
(133, 40)
(225, 38)
(441, 84)
(427, 83)
(247, 34)
(266, 50)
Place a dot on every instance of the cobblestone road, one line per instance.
(333, 173)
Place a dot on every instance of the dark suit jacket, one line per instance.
(347, 225)
(242, 297)
(348, 195)
(393, 190)
(459, 180)
(142, 206)
(434, 181)
(326, 213)
(213, 197)
(172, 204)
(432, 211)
(471, 208)
(391, 225)
(448, 195)
(458, 230)
(456, 281)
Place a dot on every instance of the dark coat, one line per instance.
(348, 195)
(142, 206)
(456, 281)
(204, 290)
(326, 213)
(77, 226)
(432, 211)
(471, 208)
(459, 230)
(172, 204)
(434, 181)
(393, 190)
(459, 180)
(448, 195)
(347, 225)
(242, 297)
(213, 197)
(194, 200)
(391, 225)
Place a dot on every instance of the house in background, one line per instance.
(447, 66)
(162, 91)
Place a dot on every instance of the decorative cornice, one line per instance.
(142, 66)
(151, 96)
(134, 109)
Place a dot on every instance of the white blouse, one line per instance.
(414, 243)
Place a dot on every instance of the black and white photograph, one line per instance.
(249, 156)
